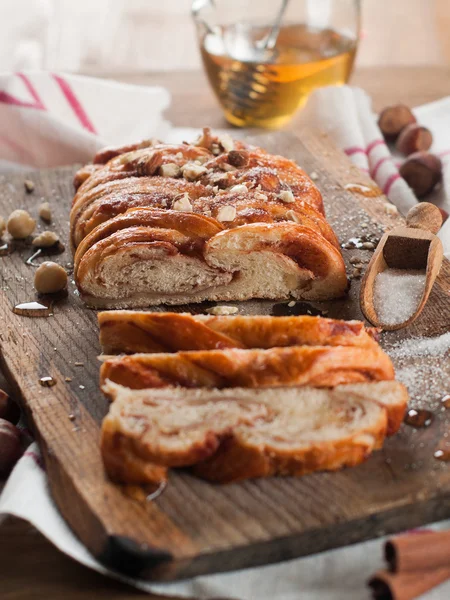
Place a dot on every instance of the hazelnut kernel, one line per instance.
(50, 278)
(222, 310)
(170, 170)
(191, 171)
(226, 213)
(10, 446)
(240, 188)
(182, 204)
(238, 158)
(424, 215)
(45, 239)
(20, 224)
(45, 212)
(413, 138)
(421, 171)
(393, 119)
(29, 186)
(286, 196)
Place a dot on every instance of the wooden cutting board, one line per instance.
(195, 527)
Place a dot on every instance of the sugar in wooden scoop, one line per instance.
(397, 294)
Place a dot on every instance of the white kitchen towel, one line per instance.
(52, 119)
(346, 114)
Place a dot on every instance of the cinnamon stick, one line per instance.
(406, 585)
(418, 551)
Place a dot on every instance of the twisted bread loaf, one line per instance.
(129, 331)
(156, 223)
(230, 435)
(320, 366)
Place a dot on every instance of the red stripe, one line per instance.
(6, 98)
(74, 103)
(378, 165)
(21, 153)
(444, 153)
(374, 144)
(37, 459)
(354, 150)
(387, 186)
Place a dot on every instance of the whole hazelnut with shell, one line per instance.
(414, 138)
(20, 224)
(10, 446)
(421, 171)
(393, 119)
(50, 278)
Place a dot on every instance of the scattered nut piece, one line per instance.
(45, 212)
(226, 213)
(414, 138)
(68, 379)
(260, 196)
(356, 273)
(50, 278)
(368, 246)
(182, 204)
(29, 186)
(390, 209)
(170, 170)
(222, 310)
(10, 446)
(20, 224)
(291, 303)
(45, 239)
(314, 176)
(79, 364)
(292, 216)
(354, 260)
(191, 171)
(239, 189)
(393, 119)
(422, 171)
(286, 196)
(2, 226)
(238, 158)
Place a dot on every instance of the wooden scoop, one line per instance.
(411, 247)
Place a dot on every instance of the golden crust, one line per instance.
(149, 332)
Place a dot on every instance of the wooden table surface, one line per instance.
(30, 567)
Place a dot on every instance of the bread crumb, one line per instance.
(226, 213)
(222, 310)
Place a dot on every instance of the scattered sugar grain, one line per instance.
(397, 294)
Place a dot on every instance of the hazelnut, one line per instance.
(9, 410)
(2, 226)
(226, 213)
(421, 171)
(393, 119)
(424, 216)
(46, 239)
(182, 204)
(10, 446)
(238, 158)
(29, 186)
(414, 138)
(170, 170)
(45, 212)
(222, 310)
(20, 225)
(191, 171)
(50, 278)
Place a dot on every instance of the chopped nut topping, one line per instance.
(2, 226)
(45, 212)
(222, 310)
(238, 158)
(45, 239)
(226, 167)
(239, 189)
(183, 204)
(286, 196)
(226, 213)
(29, 186)
(390, 209)
(291, 303)
(226, 141)
(292, 216)
(169, 170)
(215, 149)
(260, 196)
(191, 171)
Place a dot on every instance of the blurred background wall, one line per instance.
(117, 36)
